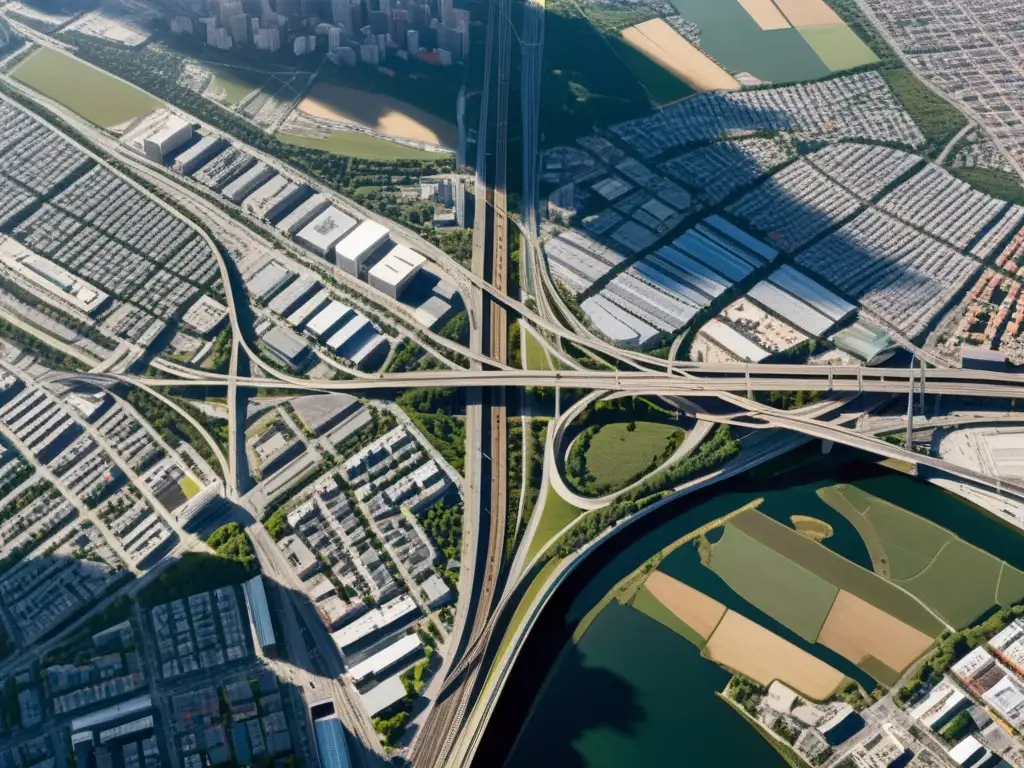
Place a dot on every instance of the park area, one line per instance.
(620, 453)
(92, 93)
(380, 113)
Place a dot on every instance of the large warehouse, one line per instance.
(394, 272)
(353, 251)
(321, 234)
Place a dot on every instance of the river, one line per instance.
(632, 692)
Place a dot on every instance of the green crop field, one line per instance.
(662, 86)
(956, 579)
(909, 542)
(648, 604)
(617, 455)
(92, 93)
(838, 46)
(882, 672)
(353, 144)
(961, 584)
(838, 571)
(789, 593)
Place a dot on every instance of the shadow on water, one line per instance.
(548, 700)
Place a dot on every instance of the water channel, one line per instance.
(633, 693)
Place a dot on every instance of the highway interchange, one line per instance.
(490, 585)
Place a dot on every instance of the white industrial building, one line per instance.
(381, 662)
(303, 214)
(199, 154)
(347, 332)
(259, 613)
(391, 613)
(51, 277)
(327, 320)
(383, 696)
(352, 252)
(392, 273)
(311, 306)
(244, 185)
(324, 231)
(158, 134)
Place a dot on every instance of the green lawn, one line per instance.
(92, 93)
(557, 514)
(838, 46)
(189, 487)
(617, 455)
(536, 355)
(787, 592)
(353, 144)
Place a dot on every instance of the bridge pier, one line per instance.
(826, 446)
(750, 391)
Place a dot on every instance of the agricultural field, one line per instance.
(98, 97)
(617, 454)
(838, 46)
(662, 44)
(956, 579)
(354, 144)
(693, 610)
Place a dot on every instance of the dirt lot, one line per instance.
(753, 651)
(695, 609)
(808, 13)
(772, 334)
(659, 42)
(765, 14)
(855, 629)
(378, 112)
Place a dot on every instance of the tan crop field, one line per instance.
(857, 629)
(808, 13)
(748, 648)
(383, 114)
(695, 609)
(765, 13)
(662, 44)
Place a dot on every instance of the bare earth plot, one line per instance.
(748, 648)
(857, 630)
(765, 13)
(379, 112)
(662, 44)
(791, 594)
(694, 609)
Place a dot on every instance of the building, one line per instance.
(310, 307)
(299, 556)
(259, 613)
(437, 592)
(969, 753)
(329, 736)
(352, 252)
(273, 198)
(383, 696)
(303, 214)
(349, 331)
(881, 750)
(205, 315)
(325, 230)
(294, 296)
(386, 660)
(51, 277)
(286, 346)
(321, 413)
(158, 134)
(465, 204)
(981, 359)
(248, 182)
(376, 621)
(327, 320)
(266, 283)
(394, 272)
(199, 154)
(943, 703)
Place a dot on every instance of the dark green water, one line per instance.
(632, 692)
